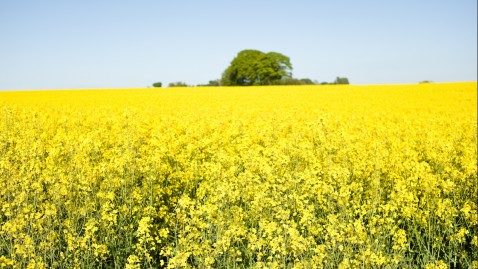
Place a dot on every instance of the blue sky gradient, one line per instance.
(106, 44)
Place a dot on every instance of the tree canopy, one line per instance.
(177, 84)
(340, 80)
(254, 67)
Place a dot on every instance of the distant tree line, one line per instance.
(213, 83)
(178, 84)
(255, 68)
(172, 84)
(338, 81)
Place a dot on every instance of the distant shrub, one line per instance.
(341, 81)
(294, 81)
(338, 81)
(177, 84)
(214, 83)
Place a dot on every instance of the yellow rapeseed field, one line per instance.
(346, 176)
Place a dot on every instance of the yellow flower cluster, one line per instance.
(240, 177)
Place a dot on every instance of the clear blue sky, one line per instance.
(113, 43)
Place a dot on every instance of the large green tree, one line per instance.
(253, 67)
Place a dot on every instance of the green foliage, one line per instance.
(294, 81)
(253, 67)
(340, 80)
(307, 81)
(288, 81)
(177, 84)
(157, 84)
(214, 83)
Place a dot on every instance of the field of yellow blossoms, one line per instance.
(330, 176)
